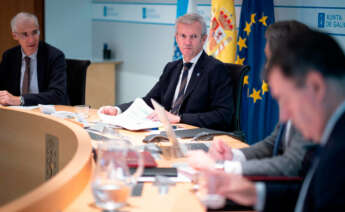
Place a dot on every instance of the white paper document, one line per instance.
(134, 118)
(24, 107)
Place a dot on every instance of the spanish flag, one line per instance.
(222, 37)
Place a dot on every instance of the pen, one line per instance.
(155, 128)
(161, 128)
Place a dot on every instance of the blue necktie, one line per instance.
(278, 140)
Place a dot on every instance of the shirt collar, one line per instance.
(33, 56)
(331, 123)
(194, 59)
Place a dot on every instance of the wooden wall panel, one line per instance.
(10, 8)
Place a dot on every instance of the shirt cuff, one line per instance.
(119, 111)
(234, 167)
(261, 196)
(238, 155)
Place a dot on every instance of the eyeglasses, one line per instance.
(25, 35)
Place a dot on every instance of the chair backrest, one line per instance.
(237, 73)
(76, 80)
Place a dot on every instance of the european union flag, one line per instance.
(259, 112)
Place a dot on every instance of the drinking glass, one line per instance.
(207, 194)
(82, 111)
(110, 133)
(112, 181)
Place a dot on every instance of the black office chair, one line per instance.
(237, 73)
(76, 80)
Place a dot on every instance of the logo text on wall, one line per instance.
(331, 21)
(151, 13)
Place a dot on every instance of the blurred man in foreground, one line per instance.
(307, 77)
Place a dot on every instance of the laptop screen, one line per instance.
(163, 118)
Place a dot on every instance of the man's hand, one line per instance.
(109, 110)
(8, 99)
(200, 160)
(234, 187)
(171, 117)
(219, 150)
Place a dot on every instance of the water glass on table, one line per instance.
(112, 182)
(208, 195)
(82, 111)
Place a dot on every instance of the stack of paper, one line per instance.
(134, 118)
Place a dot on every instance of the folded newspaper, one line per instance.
(134, 118)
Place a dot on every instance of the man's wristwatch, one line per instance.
(22, 102)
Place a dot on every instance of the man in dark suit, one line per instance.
(307, 77)
(33, 72)
(203, 96)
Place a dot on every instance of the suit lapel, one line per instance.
(17, 68)
(40, 66)
(172, 84)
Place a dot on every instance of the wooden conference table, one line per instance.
(70, 189)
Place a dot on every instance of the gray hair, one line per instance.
(190, 19)
(21, 17)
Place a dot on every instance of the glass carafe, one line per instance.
(112, 181)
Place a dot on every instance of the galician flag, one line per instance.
(222, 37)
(183, 7)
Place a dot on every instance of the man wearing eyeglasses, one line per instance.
(33, 72)
(196, 89)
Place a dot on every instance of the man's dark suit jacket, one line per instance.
(326, 191)
(51, 75)
(208, 100)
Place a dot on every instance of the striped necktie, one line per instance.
(178, 102)
(26, 79)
